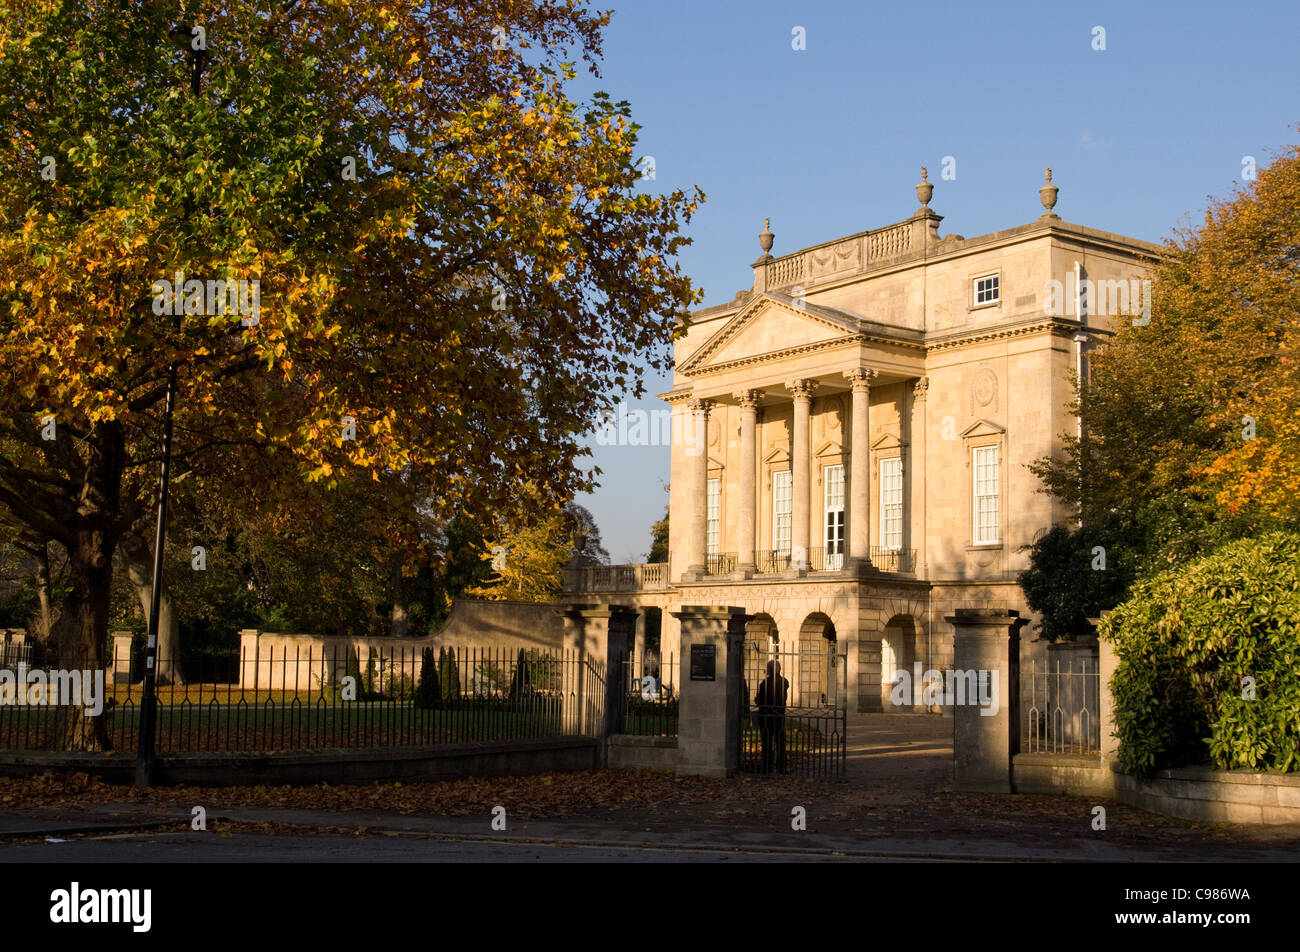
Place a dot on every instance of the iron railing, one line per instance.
(1060, 707)
(12, 655)
(649, 697)
(306, 698)
(772, 560)
(804, 732)
(720, 563)
(894, 560)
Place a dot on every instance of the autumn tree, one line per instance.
(458, 267)
(535, 541)
(659, 540)
(1192, 422)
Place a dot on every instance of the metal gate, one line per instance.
(804, 733)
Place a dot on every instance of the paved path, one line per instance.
(889, 751)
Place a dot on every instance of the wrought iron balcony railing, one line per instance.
(894, 560)
(720, 563)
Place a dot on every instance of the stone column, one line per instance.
(802, 391)
(249, 662)
(585, 629)
(698, 453)
(708, 731)
(985, 737)
(746, 528)
(917, 475)
(119, 664)
(638, 644)
(860, 468)
(623, 623)
(1107, 662)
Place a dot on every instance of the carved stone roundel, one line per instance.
(984, 388)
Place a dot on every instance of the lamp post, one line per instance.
(181, 35)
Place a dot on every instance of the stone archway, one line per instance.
(898, 650)
(761, 628)
(762, 643)
(813, 685)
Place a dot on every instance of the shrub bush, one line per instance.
(429, 694)
(1209, 661)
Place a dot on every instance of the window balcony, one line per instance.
(901, 561)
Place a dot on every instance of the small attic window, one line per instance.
(986, 290)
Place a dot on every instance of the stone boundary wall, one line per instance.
(633, 752)
(280, 660)
(485, 624)
(449, 762)
(1079, 775)
(1201, 794)
(1216, 796)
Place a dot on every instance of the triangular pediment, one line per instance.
(777, 455)
(829, 448)
(887, 441)
(982, 428)
(770, 326)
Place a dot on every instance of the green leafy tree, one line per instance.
(659, 540)
(450, 672)
(520, 683)
(1074, 575)
(1209, 661)
(429, 694)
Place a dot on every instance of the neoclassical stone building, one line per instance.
(852, 433)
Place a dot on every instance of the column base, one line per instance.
(744, 572)
(694, 573)
(860, 568)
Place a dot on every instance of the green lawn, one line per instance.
(269, 726)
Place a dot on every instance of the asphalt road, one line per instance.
(262, 848)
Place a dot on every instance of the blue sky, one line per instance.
(830, 140)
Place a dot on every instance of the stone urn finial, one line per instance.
(924, 190)
(1047, 194)
(765, 239)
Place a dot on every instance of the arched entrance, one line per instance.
(815, 684)
(762, 644)
(897, 653)
(794, 720)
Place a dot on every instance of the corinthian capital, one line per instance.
(748, 399)
(860, 379)
(801, 388)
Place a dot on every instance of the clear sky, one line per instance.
(830, 140)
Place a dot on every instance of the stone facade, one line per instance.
(851, 435)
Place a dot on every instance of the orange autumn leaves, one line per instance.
(1203, 405)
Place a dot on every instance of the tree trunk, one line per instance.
(80, 634)
(46, 618)
(400, 624)
(139, 567)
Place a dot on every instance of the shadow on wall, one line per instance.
(488, 624)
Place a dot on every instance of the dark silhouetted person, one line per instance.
(770, 701)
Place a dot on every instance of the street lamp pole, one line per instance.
(144, 765)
